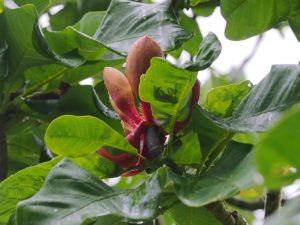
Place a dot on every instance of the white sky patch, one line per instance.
(273, 49)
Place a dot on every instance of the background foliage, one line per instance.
(241, 145)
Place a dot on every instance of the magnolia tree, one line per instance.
(179, 157)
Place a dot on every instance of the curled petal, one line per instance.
(121, 96)
(138, 60)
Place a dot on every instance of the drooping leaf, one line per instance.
(246, 18)
(77, 197)
(76, 136)
(184, 215)
(168, 89)
(138, 19)
(209, 51)
(187, 150)
(223, 100)
(277, 154)
(276, 92)
(264, 104)
(289, 214)
(22, 185)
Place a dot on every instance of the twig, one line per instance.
(3, 150)
(224, 216)
(272, 202)
(259, 204)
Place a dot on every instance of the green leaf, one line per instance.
(138, 19)
(40, 76)
(72, 196)
(21, 51)
(76, 136)
(70, 59)
(184, 215)
(246, 18)
(289, 214)
(187, 150)
(78, 100)
(222, 100)
(79, 37)
(233, 173)
(209, 51)
(22, 185)
(278, 152)
(22, 148)
(168, 90)
(98, 165)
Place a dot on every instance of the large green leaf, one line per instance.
(76, 136)
(72, 196)
(264, 104)
(223, 100)
(22, 185)
(184, 215)
(278, 151)
(168, 89)
(138, 19)
(209, 51)
(289, 214)
(246, 18)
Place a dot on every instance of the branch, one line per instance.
(259, 204)
(272, 202)
(3, 150)
(226, 217)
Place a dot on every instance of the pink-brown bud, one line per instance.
(138, 60)
(121, 96)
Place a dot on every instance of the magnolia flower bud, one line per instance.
(120, 95)
(138, 60)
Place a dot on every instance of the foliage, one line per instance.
(177, 161)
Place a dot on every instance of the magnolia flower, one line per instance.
(138, 126)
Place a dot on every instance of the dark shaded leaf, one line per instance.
(138, 19)
(209, 51)
(22, 185)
